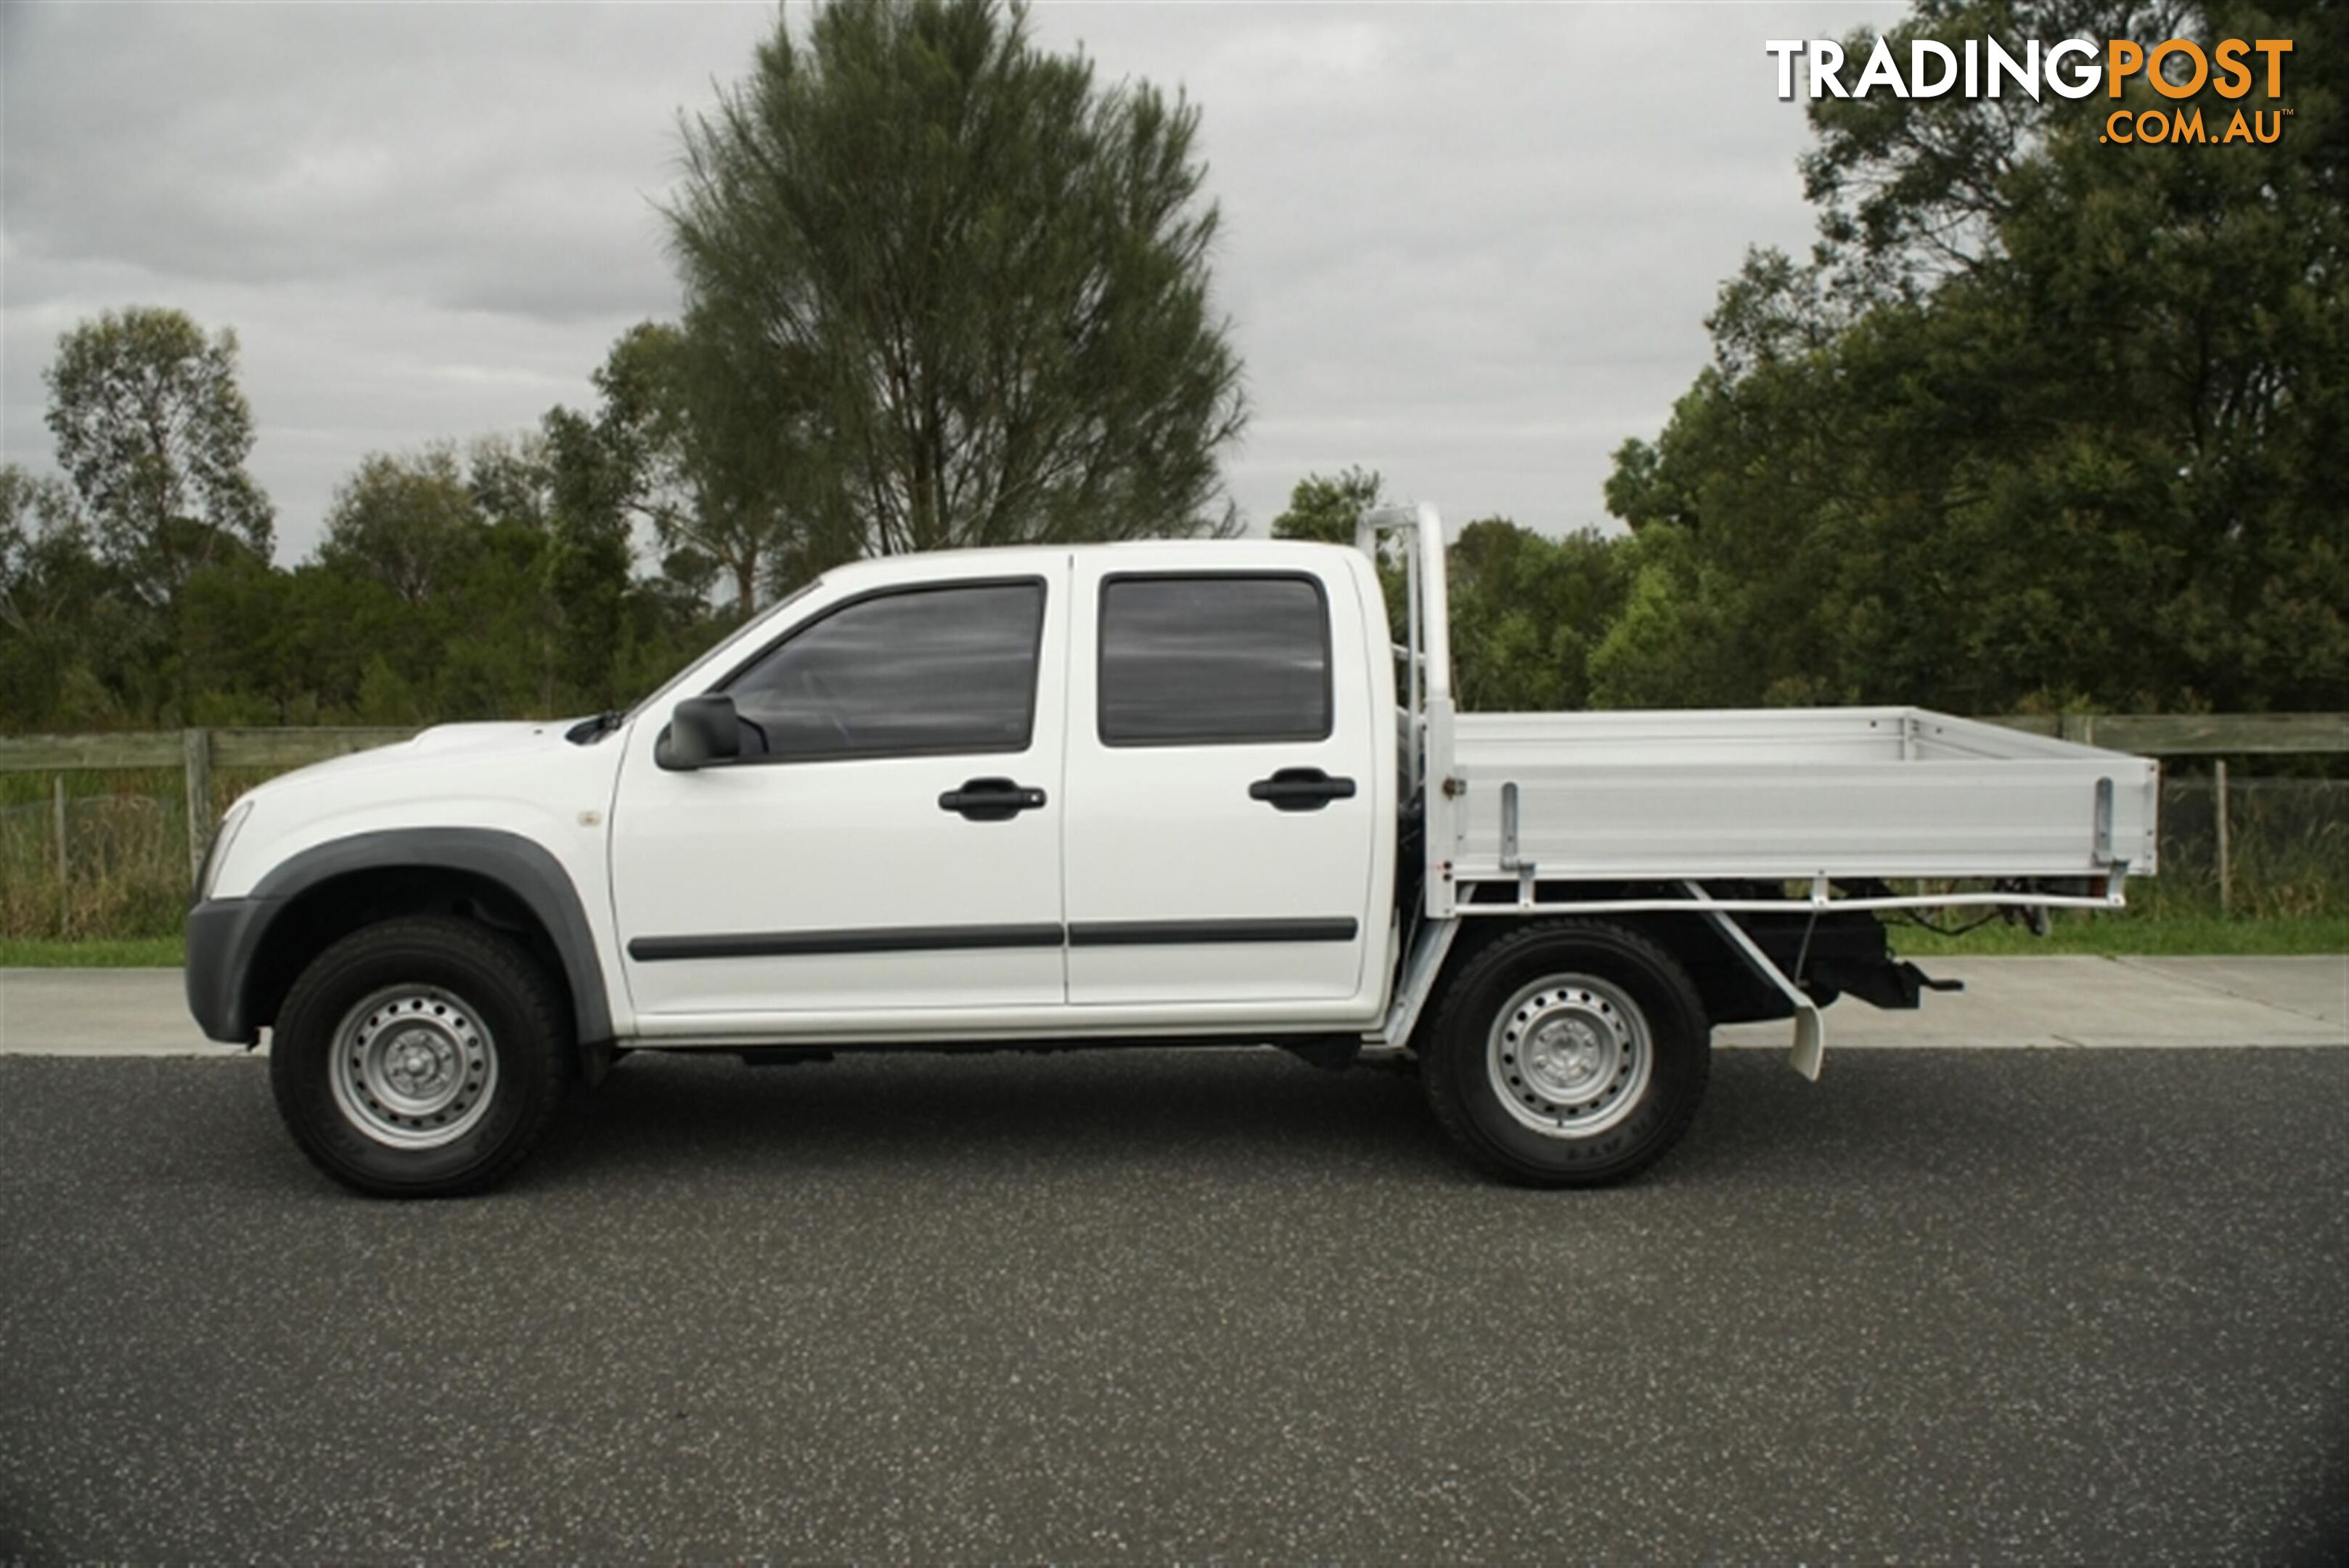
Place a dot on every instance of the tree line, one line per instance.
(2038, 423)
(2041, 423)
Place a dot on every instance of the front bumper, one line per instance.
(223, 936)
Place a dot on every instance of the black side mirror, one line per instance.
(701, 731)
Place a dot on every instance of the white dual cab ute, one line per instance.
(1127, 795)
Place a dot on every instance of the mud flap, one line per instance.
(1810, 1047)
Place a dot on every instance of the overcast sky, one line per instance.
(1470, 246)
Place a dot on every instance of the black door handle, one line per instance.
(991, 800)
(1300, 789)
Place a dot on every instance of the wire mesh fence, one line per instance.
(2286, 848)
(108, 865)
(100, 855)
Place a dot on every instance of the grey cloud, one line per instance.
(1468, 246)
(468, 157)
(1473, 247)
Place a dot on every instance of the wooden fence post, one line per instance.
(2218, 804)
(58, 818)
(196, 749)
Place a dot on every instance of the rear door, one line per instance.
(1225, 785)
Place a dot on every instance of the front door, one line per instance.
(889, 839)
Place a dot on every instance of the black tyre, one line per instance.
(1569, 1054)
(420, 1058)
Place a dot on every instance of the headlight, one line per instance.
(218, 854)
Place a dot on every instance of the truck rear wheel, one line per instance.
(1569, 1054)
(420, 1058)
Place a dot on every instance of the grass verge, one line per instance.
(121, 952)
(2140, 936)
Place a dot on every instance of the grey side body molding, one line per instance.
(522, 868)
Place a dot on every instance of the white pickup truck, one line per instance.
(1098, 795)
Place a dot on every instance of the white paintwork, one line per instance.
(843, 845)
(523, 779)
(1789, 793)
(1169, 833)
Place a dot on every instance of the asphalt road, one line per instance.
(2086, 1307)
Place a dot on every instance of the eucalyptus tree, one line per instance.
(154, 432)
(408, 522)
(713, 454)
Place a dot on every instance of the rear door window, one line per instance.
(1213, 661)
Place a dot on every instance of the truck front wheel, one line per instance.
(418, 1058)
(1569, 1054)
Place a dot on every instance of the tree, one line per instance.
(1527, 612)
(1330, 510)
(712, 452)
(587, 562)
(39, 525)
(48, 583)
(409, 523)
(511, 479)
(978, 281)
(1525, 609)
(151, 429)
(2042, 424)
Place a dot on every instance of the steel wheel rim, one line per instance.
(413, 1067)
(1570, 1056)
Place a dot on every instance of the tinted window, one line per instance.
(939, 669)
(1206, 660)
